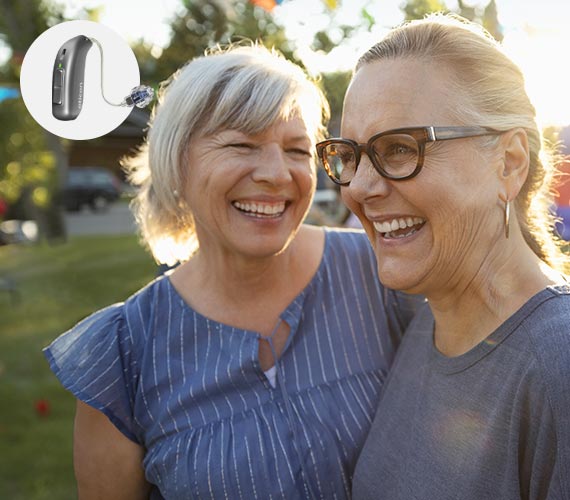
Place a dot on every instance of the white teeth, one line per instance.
(382, 227)
(386, 228)
(261, 208)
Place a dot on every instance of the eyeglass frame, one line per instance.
(422, 136)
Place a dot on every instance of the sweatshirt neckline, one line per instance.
(456, 364)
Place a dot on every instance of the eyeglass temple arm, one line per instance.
(443, 133)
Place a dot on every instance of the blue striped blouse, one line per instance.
(191, 391)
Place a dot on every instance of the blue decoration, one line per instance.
(8, 93)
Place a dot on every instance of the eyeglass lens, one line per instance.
(395, 154)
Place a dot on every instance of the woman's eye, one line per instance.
(241, 145)
(300, 152)
(400, 149)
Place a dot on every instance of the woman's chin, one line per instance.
(397, 278)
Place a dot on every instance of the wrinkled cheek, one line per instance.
(456, 241)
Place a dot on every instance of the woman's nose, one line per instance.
(367, 182)
(272, 166)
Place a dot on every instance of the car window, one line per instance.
(89, 178)
(101, 179)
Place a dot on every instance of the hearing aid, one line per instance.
(68, 80)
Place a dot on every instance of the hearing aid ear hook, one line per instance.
(140, 96)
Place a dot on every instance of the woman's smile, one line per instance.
(398, 227)
(261, 209)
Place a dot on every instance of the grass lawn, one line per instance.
(58, 285)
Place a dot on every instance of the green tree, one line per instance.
(21, 22)
(30, 157)
(490, 20)
(417, 9)
(28, 179)
(487, 16)
(207, 23)
(334, 86)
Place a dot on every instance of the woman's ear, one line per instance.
(515, 163)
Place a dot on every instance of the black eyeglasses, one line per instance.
(396, 154)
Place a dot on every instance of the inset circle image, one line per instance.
(76, 79)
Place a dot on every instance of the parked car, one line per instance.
(93, 187)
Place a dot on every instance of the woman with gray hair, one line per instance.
(453, 192)
(253, 369)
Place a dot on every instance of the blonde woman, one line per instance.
(441, 159)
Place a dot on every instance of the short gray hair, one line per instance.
(241, 87)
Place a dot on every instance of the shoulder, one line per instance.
(547, 325)
(145, 306)
(349, 243)
(116, 322)
(547, 328)
(341, 235)
(347, 263)
(349, 255)
(102, 323)
(547, 319)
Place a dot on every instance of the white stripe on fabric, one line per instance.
(231, 379)
(270, 432)
(170, 399)
(348, 310)
(236, 469)
(373, 296)
(339, 462)
(309, 446)
(339, 326)
(282, 447)
(222, 461)
(262, 451)
(196, 462)
(177, 461)
(327, 330)
(317, 331)
(217, 371)
(250, 470)
(205, 372)
(196, 367)
(183, 371)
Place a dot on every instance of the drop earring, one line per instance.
(507, 217)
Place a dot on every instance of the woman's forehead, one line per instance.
(398, 93)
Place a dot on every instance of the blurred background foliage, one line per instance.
(33, 162)
(29, 155)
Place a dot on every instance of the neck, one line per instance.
(240, 278)
(486, 294)
(247, 292)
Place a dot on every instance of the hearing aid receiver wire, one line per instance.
(139, 96)
(123, 103)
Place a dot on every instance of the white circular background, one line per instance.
(120, 73)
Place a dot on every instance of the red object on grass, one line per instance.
(3, 207)
(42, 407)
